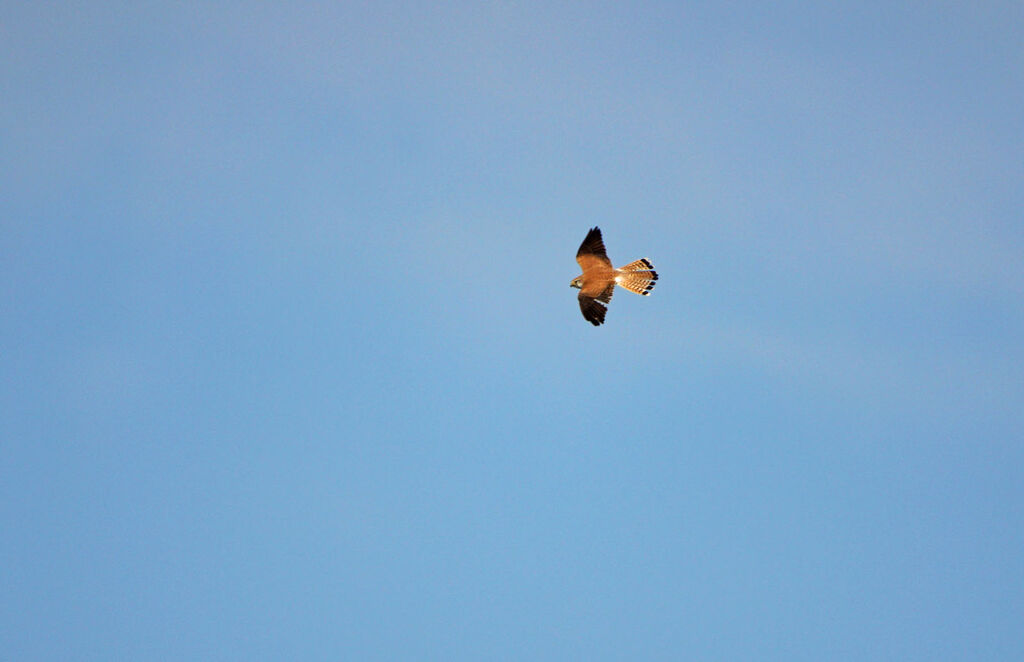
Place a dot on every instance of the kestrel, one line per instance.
(598, 280)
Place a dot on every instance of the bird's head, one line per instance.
(577, 283)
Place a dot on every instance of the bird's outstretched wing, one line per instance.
(594, 308)
(591, 253)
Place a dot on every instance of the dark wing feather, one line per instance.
(593, 244)
(594, 308)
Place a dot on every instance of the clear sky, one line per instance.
(291, 368)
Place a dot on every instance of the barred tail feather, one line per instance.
(638, 276)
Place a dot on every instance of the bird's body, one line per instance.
(599, 278)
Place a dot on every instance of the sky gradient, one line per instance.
(291, 368)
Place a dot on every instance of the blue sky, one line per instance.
(291, 368)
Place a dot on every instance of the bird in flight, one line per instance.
(599, 278)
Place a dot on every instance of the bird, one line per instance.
(599, 278)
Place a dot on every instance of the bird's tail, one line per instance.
(638, 276)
